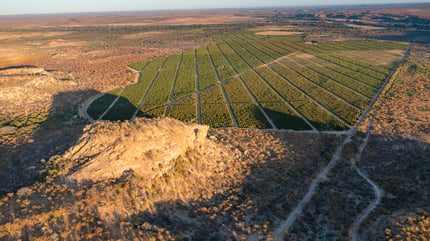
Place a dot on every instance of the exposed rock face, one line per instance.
(142, 145)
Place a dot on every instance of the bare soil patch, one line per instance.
(383, 57)
(367, 27)
(28, 89)
(62, 43)
(311, 60)
(15, 35)
(211, 19)
(19, 60)
(303, 55)
(278, 33)
(272, 28)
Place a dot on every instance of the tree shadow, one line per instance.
(23, 163)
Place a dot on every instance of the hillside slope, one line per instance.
(162, 178)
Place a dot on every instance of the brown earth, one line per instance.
(278, 33)
(235, 185)
(131, 19)
(27, 89)
(18, 60)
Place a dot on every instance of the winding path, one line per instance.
(353, 232)
(279, 232)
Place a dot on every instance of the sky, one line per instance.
(12, 7)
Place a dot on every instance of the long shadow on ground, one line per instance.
(24, 164)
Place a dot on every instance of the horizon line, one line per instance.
(322, 6)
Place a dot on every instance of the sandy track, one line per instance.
(279, 232)
(353, 232)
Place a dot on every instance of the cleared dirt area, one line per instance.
(19, 60)
(132, 19)
(272, 28)
(278, 33)
(364, 27)
(63, 43)
(198, 19)
(5, 35)
(311, 60)
(382, 58)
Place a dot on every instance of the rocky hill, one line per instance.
(161, 178)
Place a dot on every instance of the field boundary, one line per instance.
(172, 92)
(274, 90)
(239, 76)
(142, 100)
(310, 97)
(322, 87)
(112, 104)
(227, 101)
(322, 74)
(199, 107)
(330, 78)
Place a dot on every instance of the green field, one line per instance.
(250, 81)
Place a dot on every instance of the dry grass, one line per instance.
(63, 43)
(16, 60)
(398, 156)
(196, 19)
(230, 186)
(311, 60)
(405, 110)
(30, 35)
(143, 35)
(132, 19)
(24, 89)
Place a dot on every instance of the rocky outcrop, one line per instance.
(146, 146)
